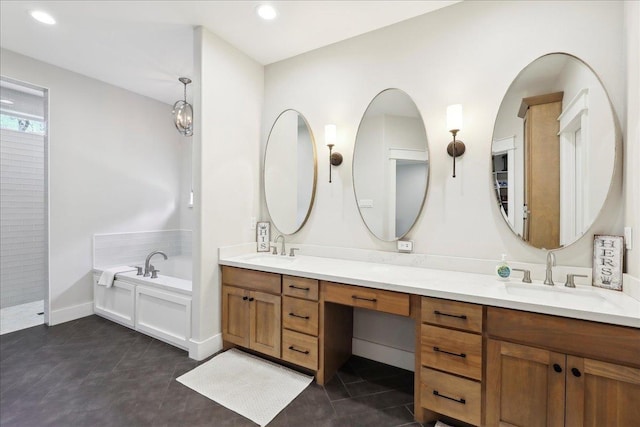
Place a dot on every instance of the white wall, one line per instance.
(114, 166)
(632, 136)
(473, 65)
(226, 150)
(468, 53)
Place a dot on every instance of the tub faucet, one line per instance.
(551, 261)
(282, 249)
(147, 269)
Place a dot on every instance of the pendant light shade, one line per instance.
(183, 112)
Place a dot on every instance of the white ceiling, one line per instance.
(144, 46)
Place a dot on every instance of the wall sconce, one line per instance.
(335, 159)
(454, 124)
(183, 112)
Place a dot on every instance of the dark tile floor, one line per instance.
(93, 372)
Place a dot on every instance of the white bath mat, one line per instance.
(252, 387)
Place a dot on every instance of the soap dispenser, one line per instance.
(502, 269)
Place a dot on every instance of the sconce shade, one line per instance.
(183, 112)
(330, 134)
(454, 117)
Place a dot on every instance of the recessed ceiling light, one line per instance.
(43, 17)
(266, 11)
(6, 101)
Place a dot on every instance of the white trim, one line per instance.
(573, 163)
(502, 145)
(574, 108)
(408, 154)
(381, 353)
(200, 350)
(67, 314)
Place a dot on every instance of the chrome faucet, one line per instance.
(282, 250)
(147, 269)
(551, 261)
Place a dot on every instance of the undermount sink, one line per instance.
(565, 296)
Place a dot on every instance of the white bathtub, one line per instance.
(176, 266)
(158, 307)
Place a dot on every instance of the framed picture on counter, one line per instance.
(608, 254)
(263, 236)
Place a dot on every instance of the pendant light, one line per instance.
(183, 112)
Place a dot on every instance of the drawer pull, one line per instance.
(435, 393)
(298, 316)
(299, 351)
(299, 288)
(463, 355)
(458, 316)
(363, 298)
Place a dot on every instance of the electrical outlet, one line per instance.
(405, 245)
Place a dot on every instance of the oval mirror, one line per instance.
(390, 165)
(290, 172)
(553, 150)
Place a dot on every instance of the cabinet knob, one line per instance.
(576, 372)
(245, 298)
(251, 299)
(557, 367)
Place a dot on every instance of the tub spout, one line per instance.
(147, 262)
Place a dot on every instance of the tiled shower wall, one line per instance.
(132, 248)
(23, 250)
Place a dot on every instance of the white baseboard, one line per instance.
(383, 354)
(67, 314)
(200, 350)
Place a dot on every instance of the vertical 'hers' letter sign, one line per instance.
(607, 261)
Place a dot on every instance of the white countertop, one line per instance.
(582, 302)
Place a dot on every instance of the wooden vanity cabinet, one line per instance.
(451, 359)
(544, 371)
(300, 321)
(251, 306)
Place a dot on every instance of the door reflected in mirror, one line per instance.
(290, 172)
(553, 151)
(390, 165)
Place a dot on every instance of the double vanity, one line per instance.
(487, 352)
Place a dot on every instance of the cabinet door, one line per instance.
(525, 386)
(602, 394)
(265, 333)
(235, 315)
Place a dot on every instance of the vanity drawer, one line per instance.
(452, 314)
(300, 287)
(250, 279)
(300, 315)
(452, 351)
(452, 396)
(300, 349)
(373, 299)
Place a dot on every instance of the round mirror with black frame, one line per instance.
(390, 165)
(290, 172)
(553, 151)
